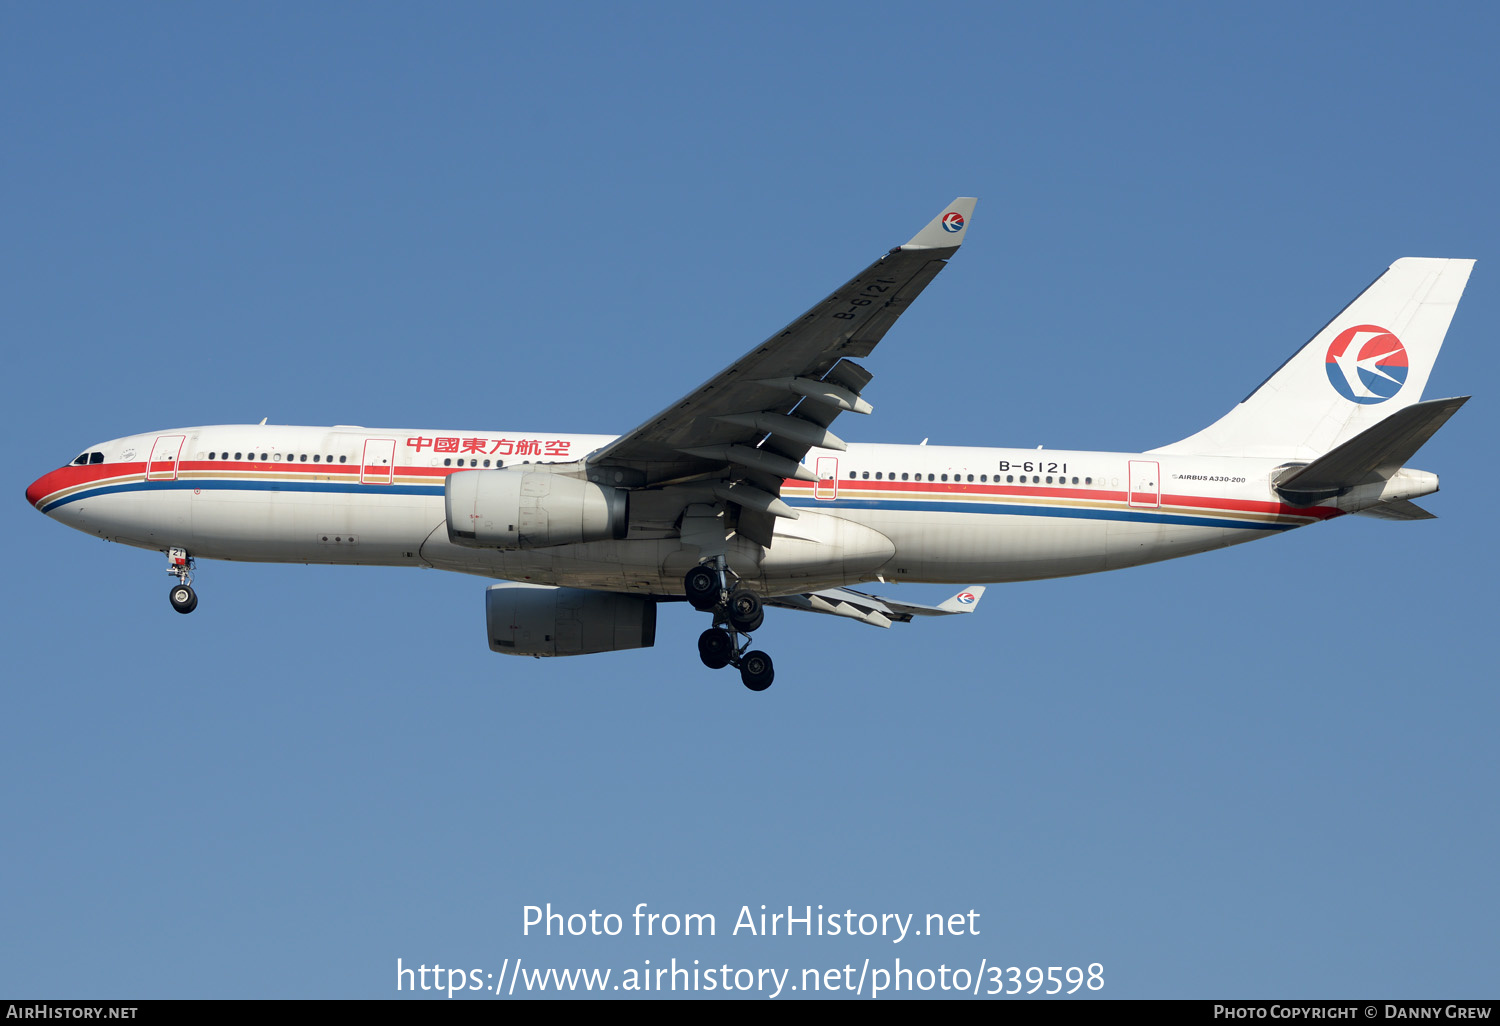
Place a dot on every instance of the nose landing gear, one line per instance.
(182, 596)
(736, 614)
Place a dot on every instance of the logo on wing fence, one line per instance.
(953, 221)
(1366, 364)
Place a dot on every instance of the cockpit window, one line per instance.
(96, 457)
(82, 459)
(85, 458)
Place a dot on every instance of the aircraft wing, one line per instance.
(746, 429)
(873, 609)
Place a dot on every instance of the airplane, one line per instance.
(738, 496)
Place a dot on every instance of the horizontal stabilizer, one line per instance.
(1376, 452)
(1397, 509)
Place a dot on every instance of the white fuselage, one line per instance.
(898, 512)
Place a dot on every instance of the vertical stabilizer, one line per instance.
(1370, 361)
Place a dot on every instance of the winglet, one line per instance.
(946, 231)
(965, 601)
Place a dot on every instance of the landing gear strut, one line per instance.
(737, 611)
(180, 565)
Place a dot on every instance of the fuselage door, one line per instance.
(165, 451)
(378, 463)
(828, 478)
(1145, 483)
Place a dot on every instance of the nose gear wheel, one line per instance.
(184, 599)
(182, 596)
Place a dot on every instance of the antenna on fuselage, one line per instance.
(263, 421)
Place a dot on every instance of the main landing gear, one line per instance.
(180, 565)
(737, 612)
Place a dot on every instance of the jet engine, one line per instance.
(531, 509)
(538, 620)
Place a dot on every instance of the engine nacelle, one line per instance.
(530, 509)
(538, 620)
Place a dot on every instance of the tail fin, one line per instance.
(1367, 363)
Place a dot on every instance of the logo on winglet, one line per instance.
(953, 221)
(967, 598)
(1366, 364)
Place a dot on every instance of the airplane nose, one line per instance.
(41, 488)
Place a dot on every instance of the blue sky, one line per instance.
(1263, 772)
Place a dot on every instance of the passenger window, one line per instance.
(303, 458)
(448, 462)
(877, 475)
(1049, 478)
(1035, 479)
(343, 459)
(276, 457)
(929, 477)
(971, 477)
(1088, 480)
(945, 477)
(262, 455)
(867, 475)
(853, 474)
(903, 477)
(1010, 478)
